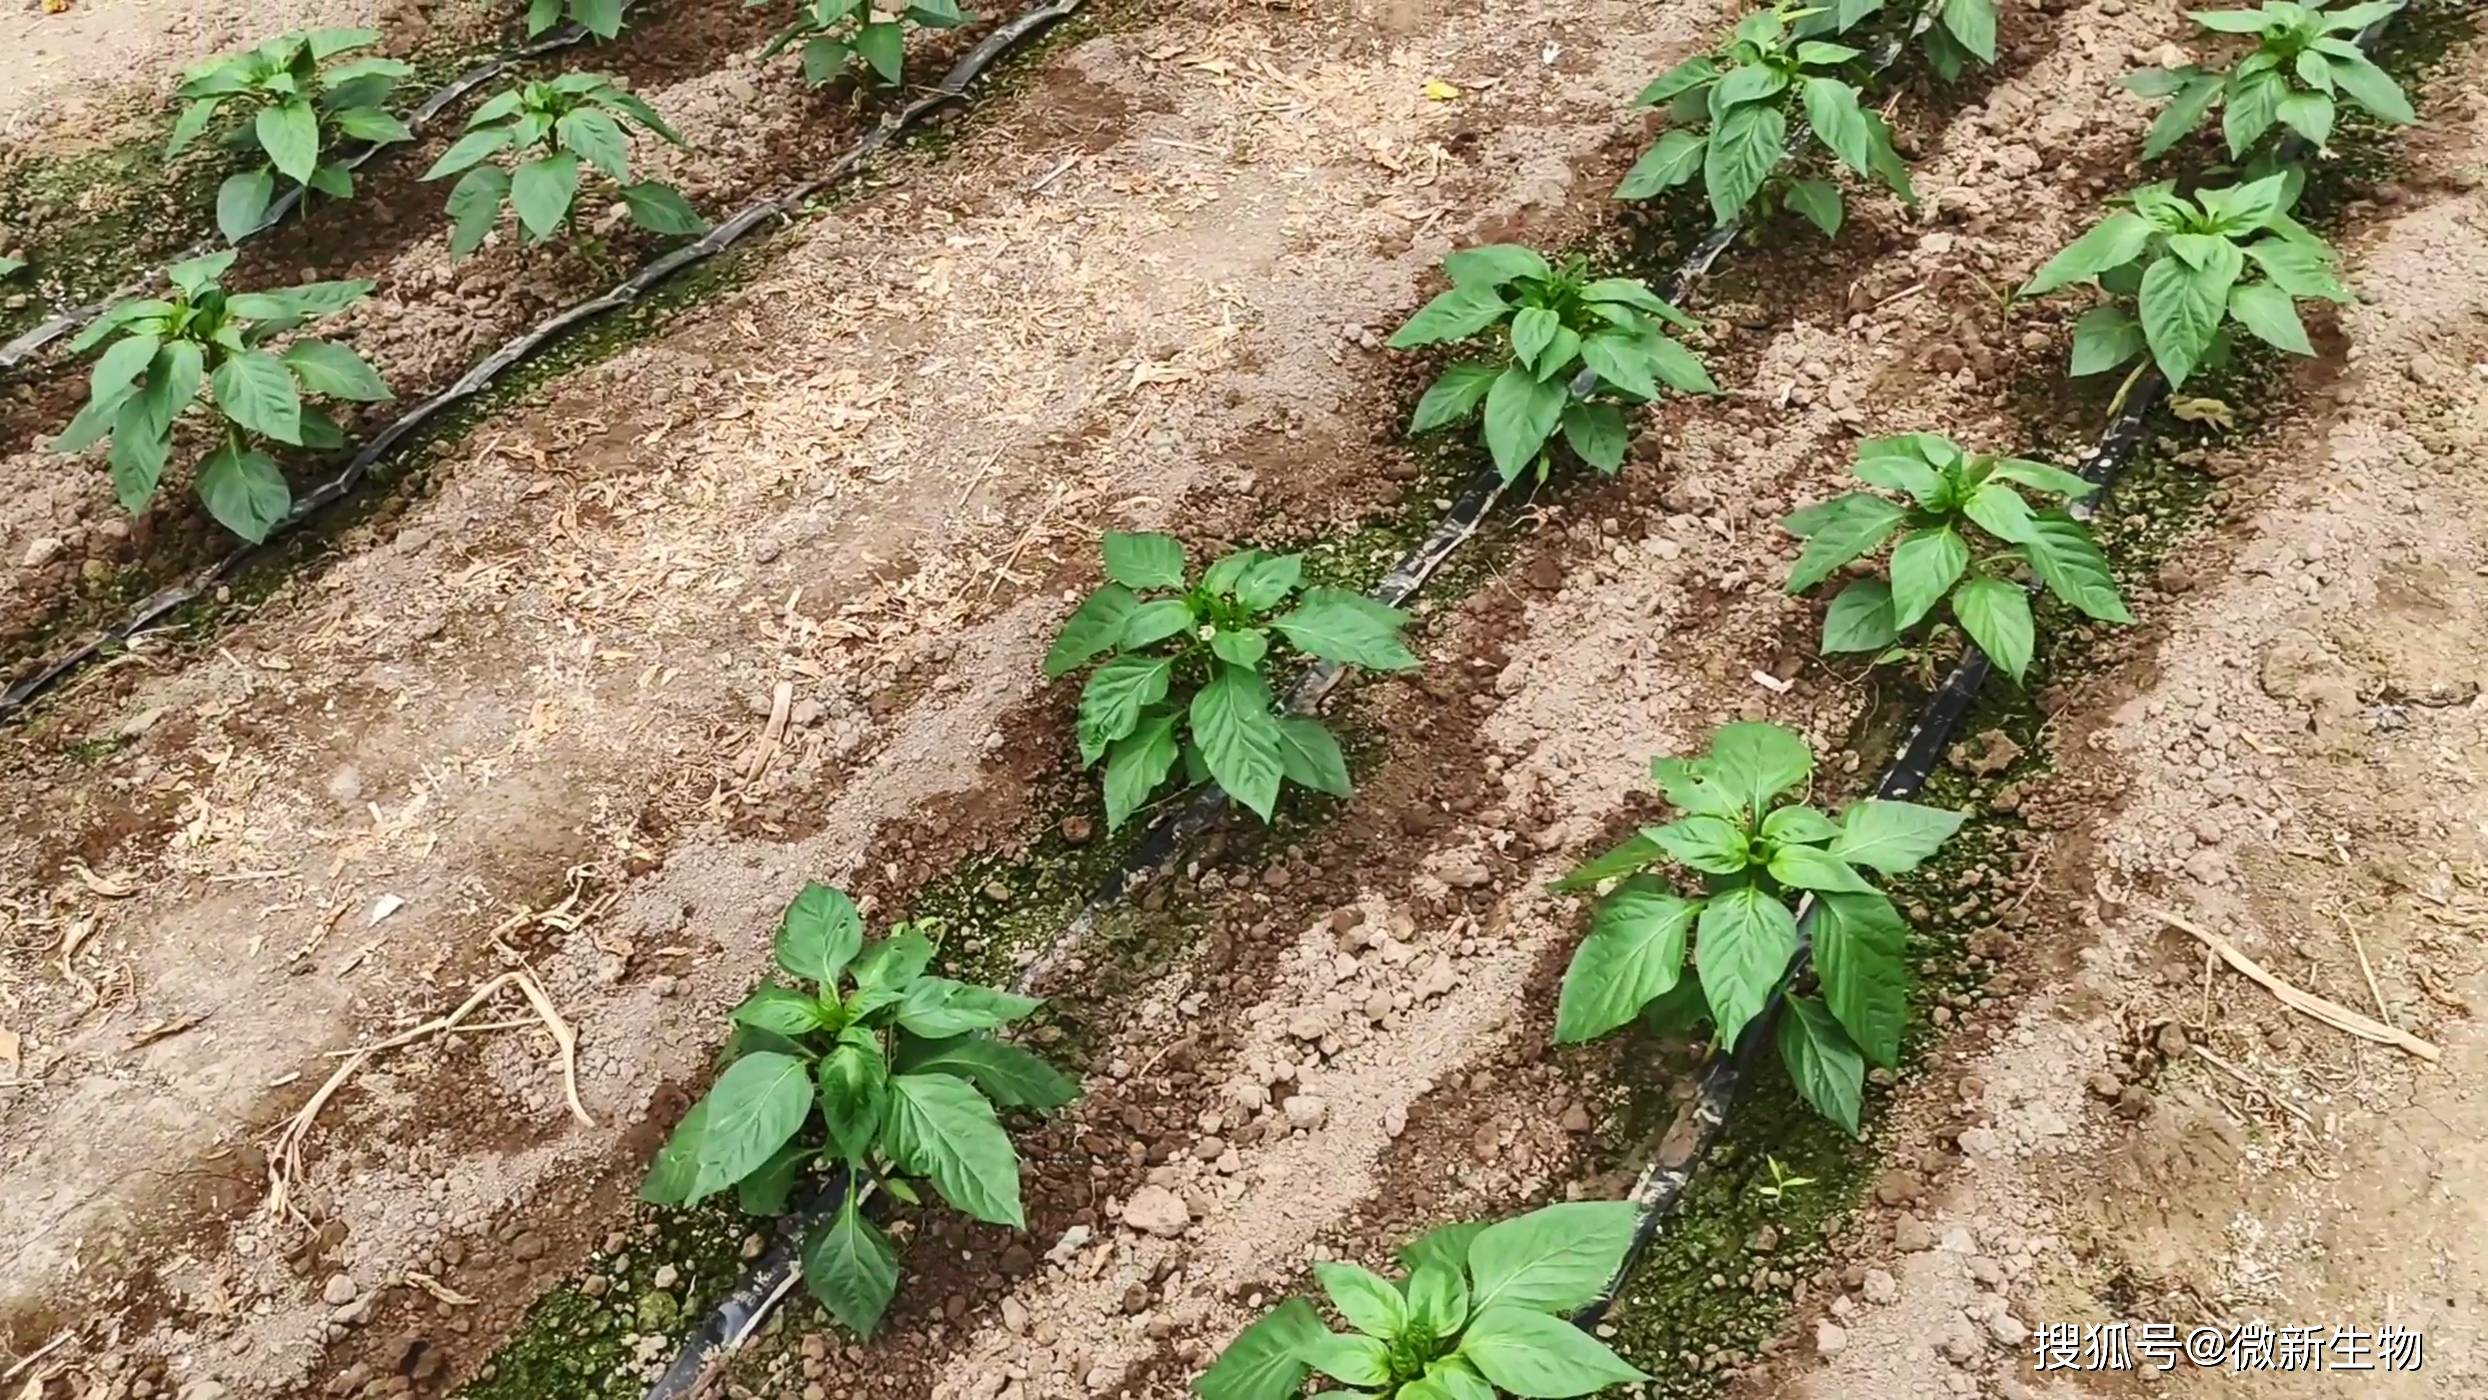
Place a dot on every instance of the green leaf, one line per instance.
(781, 1010)
(2310, 114)
(764, 1192)
(255, 389)
(335, 181)
(139, 447)
(2252, 104)
(1860, 957)
(1891, 836)
(1676, 366)
(855, 1095)
(2182, 304)
(2105, 337)
(851, 1268)
(1756, 762)
(819, 935)
(1747, 83)
(1999, 510)
(1533, 329)
(1005, 1073)
(1622, 360)
(1136, 765)
(2054, 481)
(289, 132)
(1143, 560)
(884, 46)
(759, 1102)
(1694, 72)
(1635, 952)
(1924, 568)
(1337, 625)
(895, 961)
(2231, 21)
(2371, 87)
(1239, 738)
(935, 1007)
(118, 368)
(1453, 397)
(1263, 1362)
(2180, 117)
(1596, 434)
(541, 191)
(1635, 853)
(1745, 147)
(1111, 704)
(596, 139)
(1554, 1259)
(2270, 316)
(373, 125)
(674, 1174)
(1673, 159)
(1455, 315)
(602, 18)
(1521, 413)
(1369, 1302)
(1741, 946)
(1309, 757)
(1267, 581)
(1493, 265)
(661, 209)
(1827, 1070)
(1443, 1247)
(1222, 576)
(475, 206)
(824, 59)
(1832, 110)
(1818, 202)
(1247, 648)
(1154, 622)
(1839, 531)
(2068, 560)
(325, 368)
(1860, 619)
(1973, 22)
(242, 203)
(1713, 845)
(1532, 1354)
(1907, 463)
(2298, 269)
(2116, 241)
(1996, 615)
(191, 124)
(1092, 629)
(469, 149)
(940, 1127)
(1801, 867)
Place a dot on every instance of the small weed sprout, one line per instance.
(548, 131)
(1674, 961)
(297, 104)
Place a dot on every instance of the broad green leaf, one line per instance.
(1337, 625)
(661, 209)
(2269, 314)
(1999, 510)
(1007, 1074)
(1757, 762)
(373, 125)
(1827, 1070)
(758, 1103)
(1443, 1247)
(1837, 532)
(1533, 329)
(2182, 305)
(824, 59)
(1622, 360)
(1493, 264)
(1832, 110)
(1596, 434)
(939, 1127)
(2310, 114)
(2298, 269)
(895, 961)
(779, 1009)
(1222, 576)
(1973, 23)
(1239, 738)
(1309, 757)
(1346, 1357)
(674, 1174)
(1798, 824)
(1521, 413)
(1136, 765)
(256, 390)
(1532, 1354)
(1554, 1259)
(310, 300)
(1438, 1298)
(1635, 853)
(1143, 560)
(1671, 160)
(851, 1267)
(1747, 83)
(92, 421)
(1817, 202)
(2117, 240)
(602, 18)
(1691, 788)
(1860, 957)
(1266, 582)
(1247, 648)
(1741, 946)
(1154, 622)
(242, 203)
(289, 132)
(1745, 147)
(1263, 1362)
(1924, 568)
(1681, 79)
(2055, 481)
(1676, 366)
(541, 192)
(1892, 836)
(244, 491)
(820, 933)
(1713, 845)
(2105, 337)
(333, 370)
(475, 206)
(764, 1192)
(1369, 1302)
(1453, 397)
(2252, 104)
(1860, 619)
(118, 368)
(136, 458)
(1111, 703)
(2371, 87)
(1812, 868)
(2068, 560)
(2230, 21)
(2182, 115)
(936, 1007)
(1091, 630)
(1996, 615)
(883, 44)
(855, 1095)
(469, 149)
(1455, 315)
(1635, 951)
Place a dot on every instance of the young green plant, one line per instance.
(1965, 534)
(294, 105)
(203, 346)
(1186, 674)
(1567, 352)
(2303, 62)
(838, 34)
(1675, 961)
(1954, 33)
(602, 18)
(548, 131)
(2184, 271)
(1729, 112)
(1483, 1311)
(870, 1067)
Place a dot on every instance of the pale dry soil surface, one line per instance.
(2298, 762)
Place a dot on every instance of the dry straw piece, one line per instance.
(2331, 1013)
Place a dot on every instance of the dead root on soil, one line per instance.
(2330, 1012)
(285, 1153)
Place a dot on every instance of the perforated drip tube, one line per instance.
(19, 351)
(485, 372)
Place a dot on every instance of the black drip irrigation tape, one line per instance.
(1698, 1125)
(25, 347)
(485, 372)
(776, 1272)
